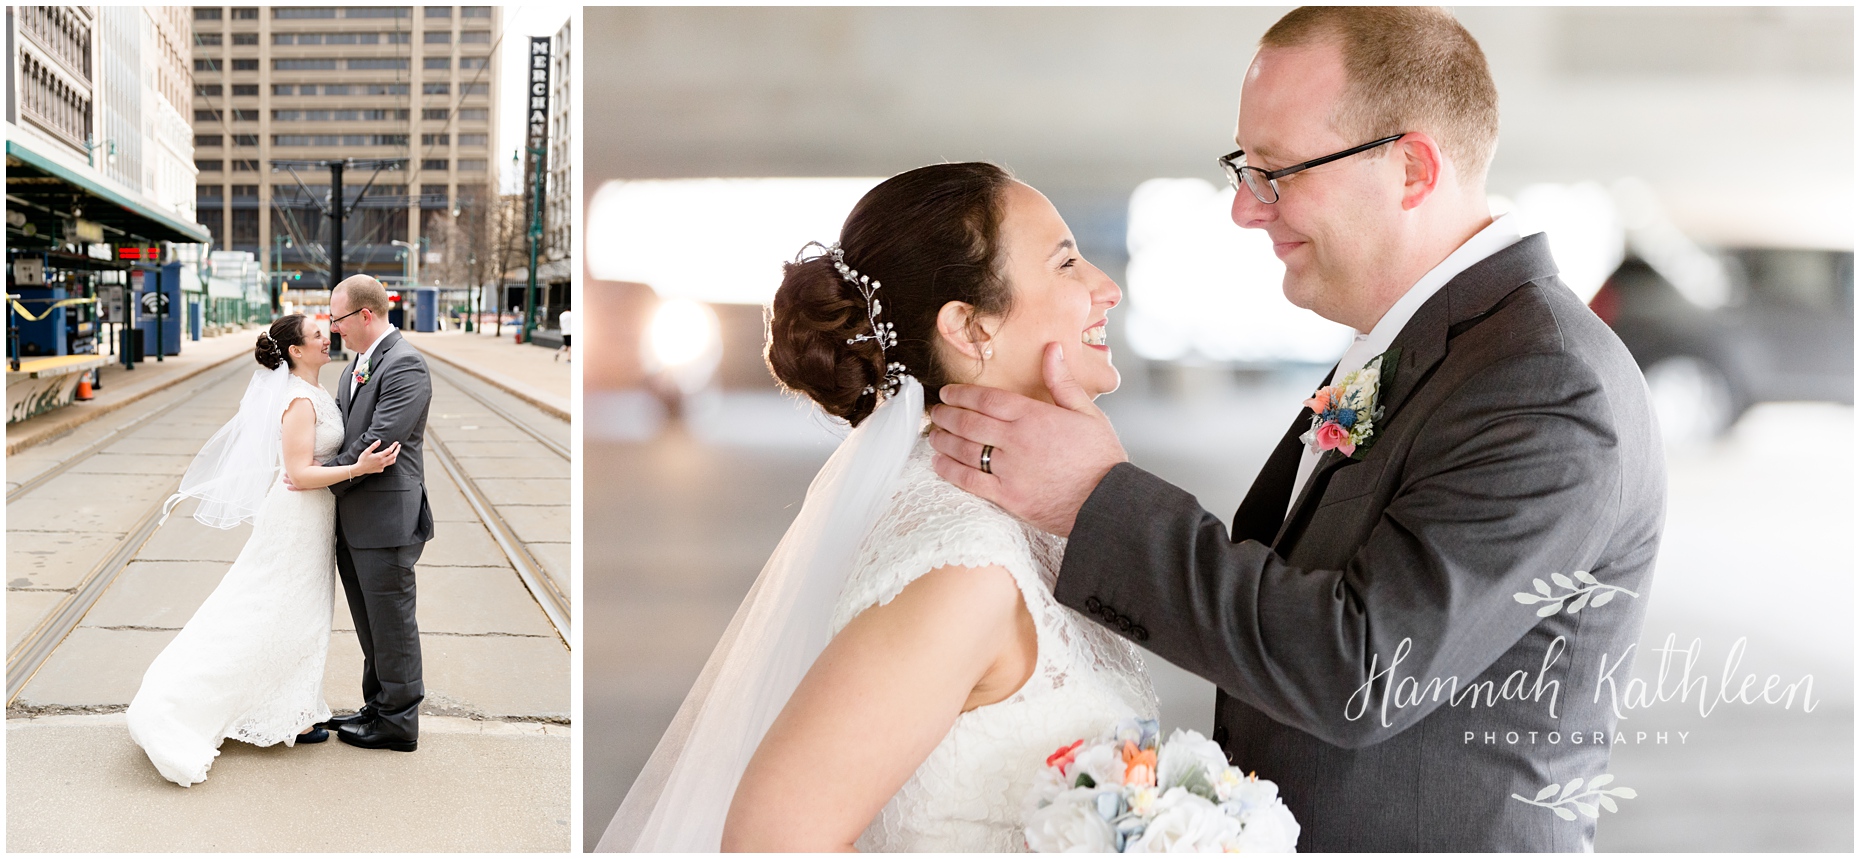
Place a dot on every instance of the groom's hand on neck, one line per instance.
(1047, 458)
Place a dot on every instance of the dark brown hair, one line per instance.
(274, 346)
(930, 236)
(1407, 68)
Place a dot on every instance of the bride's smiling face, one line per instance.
(1058, 298)
(314, 351)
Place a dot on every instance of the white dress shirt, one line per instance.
(362, 362)
(1497, 236)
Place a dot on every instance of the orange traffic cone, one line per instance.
(83, 391)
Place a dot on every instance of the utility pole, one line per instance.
(337, 212)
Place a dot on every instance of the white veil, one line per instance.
(680, 799)
(232, 473)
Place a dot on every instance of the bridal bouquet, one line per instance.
(1125, 793)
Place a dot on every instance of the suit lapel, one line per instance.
(342, 388)
(1470, 295)
(1264, 506)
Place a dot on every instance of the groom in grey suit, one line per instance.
(382, 520)
(1405, 632)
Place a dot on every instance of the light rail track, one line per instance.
(465, 384)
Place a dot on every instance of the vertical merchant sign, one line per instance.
(538, 113)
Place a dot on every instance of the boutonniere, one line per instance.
(1344, 415)
(361, 372)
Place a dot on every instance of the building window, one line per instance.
(206, 65)
(397, 38)
(245, 38)
(385, 89)
(438, 37)
(211, 219)
(244, 227)
(475, 37)
(433, 195)
(245, 13)
(471, 62)
(62, 30)
(474, 11)
(303, 65)
(210, 193)
(287, 89)
(441, 63)
(303, 12)
(245, 65)
(339, 140)
(202, 141)
(206, 13)
(474, 114)
(439, 11)
(244, 165)
(435, 113)
(209, 165)
(474, 89)
(474, 140)
(245, 140)
(245, 89)
(339, 115)
(378, 12)
(207, 38)
(245, 115)
(206, 116)
(378, 63)
(435, 139)
(248, 191)
(436, 89)
(206, 89)
(471, 165)
(433, 163)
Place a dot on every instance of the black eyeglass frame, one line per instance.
(347, 315)
(1236, 173)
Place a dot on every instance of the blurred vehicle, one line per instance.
(1782, 329)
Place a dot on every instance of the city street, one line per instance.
(96, 588)
(680, 518)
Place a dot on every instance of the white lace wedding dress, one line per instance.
(249, 664)
(969, 794)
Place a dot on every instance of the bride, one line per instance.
(900, 671)
(249, 664)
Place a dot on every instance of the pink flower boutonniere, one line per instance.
(361, 372)
(1344, 415)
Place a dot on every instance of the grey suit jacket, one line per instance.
(1517, 444)
(378, 511)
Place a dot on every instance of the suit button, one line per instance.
(1093, 605)
(1139, 633)
(1123, 623)
(1220, 734)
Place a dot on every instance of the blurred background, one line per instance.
(1694, 168)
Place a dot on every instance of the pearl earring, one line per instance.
(988, 352)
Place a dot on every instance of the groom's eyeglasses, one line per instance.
(347, 315)
(1265, 183)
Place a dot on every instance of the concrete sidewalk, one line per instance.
(473, 786)
(528, 372)
(122, 387)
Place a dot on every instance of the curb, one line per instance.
(91, 413)
(498, 381)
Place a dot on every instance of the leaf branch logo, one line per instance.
(1584, 591)
(1568, 796)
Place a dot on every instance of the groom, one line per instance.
(382, 520)
(1407, 618)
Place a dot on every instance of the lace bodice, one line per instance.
(328, 417)
(968, 795)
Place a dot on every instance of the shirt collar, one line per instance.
(368, 354)
(1497, 236)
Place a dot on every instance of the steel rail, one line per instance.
(452, 377)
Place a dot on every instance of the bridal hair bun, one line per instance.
(930, 237)
(274, 345)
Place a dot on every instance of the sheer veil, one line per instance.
(232, 473)
(680, 799)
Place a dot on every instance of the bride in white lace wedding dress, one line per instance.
(900, 672)
(249, 664)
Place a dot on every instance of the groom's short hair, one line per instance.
(1407, 68)
(365, 291)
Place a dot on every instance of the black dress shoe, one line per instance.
(375, 735)
(354, 718)
(314, 736)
